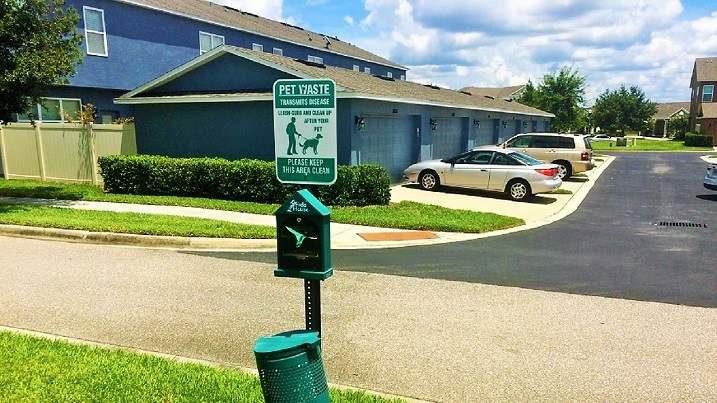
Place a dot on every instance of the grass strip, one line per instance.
(646, 145)
(404, 215)
(129, 223)
(35, 369)
(427, 217)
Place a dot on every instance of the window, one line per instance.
(403, 77)
(367, 70)
(316, 59)
(278, 51)
(520, 142)
(95, 34)
(389, 75)
(53, 110)
(356, 67)
(209, 41)
(257, 47)
(707, 92)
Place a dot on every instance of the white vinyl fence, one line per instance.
(61, 151)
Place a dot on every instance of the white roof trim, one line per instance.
(191, 17)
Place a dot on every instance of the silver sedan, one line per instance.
(497, 169)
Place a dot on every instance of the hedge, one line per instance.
(698, 140)
(240, 180)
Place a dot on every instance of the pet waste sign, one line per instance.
(305, 131)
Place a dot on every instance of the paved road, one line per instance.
(612, 246)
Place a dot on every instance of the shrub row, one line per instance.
(240, 180)
(698, 140)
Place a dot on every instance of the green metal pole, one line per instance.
(312, 292)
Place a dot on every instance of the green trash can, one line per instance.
(621, 142)
(290, 367)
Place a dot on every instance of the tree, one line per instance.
(39, 47)
(562, 94)
(677, 126)
(623, 109)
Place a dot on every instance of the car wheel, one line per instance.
(565, 170)
(519, 190)
(429, 180)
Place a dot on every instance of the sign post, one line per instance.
(305, 131)
(305, 153)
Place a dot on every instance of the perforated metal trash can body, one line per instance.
(291, 369)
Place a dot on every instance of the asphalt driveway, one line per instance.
(646, 232)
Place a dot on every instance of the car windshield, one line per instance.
(525, 159)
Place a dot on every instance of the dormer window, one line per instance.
(257, 47)
(708, 93)
(316, 59)
(209, 41)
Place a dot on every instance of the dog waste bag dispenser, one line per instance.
(303, 238)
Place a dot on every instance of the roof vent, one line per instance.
(312, 64)
(291, 26)
(435, 87)
(227, 8)
(489, 97)
(253, 15)
(465, 92)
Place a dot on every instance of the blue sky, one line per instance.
(461, 43)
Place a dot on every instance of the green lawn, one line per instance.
(404, 215)
(646, 144)
(40, 370)
(129, 223)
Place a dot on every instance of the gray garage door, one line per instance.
(485, 134)
(389, 142)
(448, 138)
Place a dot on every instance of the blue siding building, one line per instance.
(198, 78)
(130, 42)
(220, 104)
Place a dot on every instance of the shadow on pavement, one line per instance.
(538, 199)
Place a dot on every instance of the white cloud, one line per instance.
(460, 43)
(266, 8)
(612, 42)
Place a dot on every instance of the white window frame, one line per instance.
(403, 77)
(705, 93)
(315, 59)
(38, 110)
(212, 38)
(389, 74)
(103, 33)
(257, 46)
(277, 51)
(357, 67)
(367, 70)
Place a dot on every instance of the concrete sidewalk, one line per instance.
(541, 210)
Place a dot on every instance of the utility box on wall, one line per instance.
(303, 238)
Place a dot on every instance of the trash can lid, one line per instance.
(287, 343)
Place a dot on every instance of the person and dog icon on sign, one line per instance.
(312, 143)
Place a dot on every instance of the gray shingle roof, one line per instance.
(227, 16)
(666, 110)
(497, 92)
(353, 84)
(705, 69)
(709, 111)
